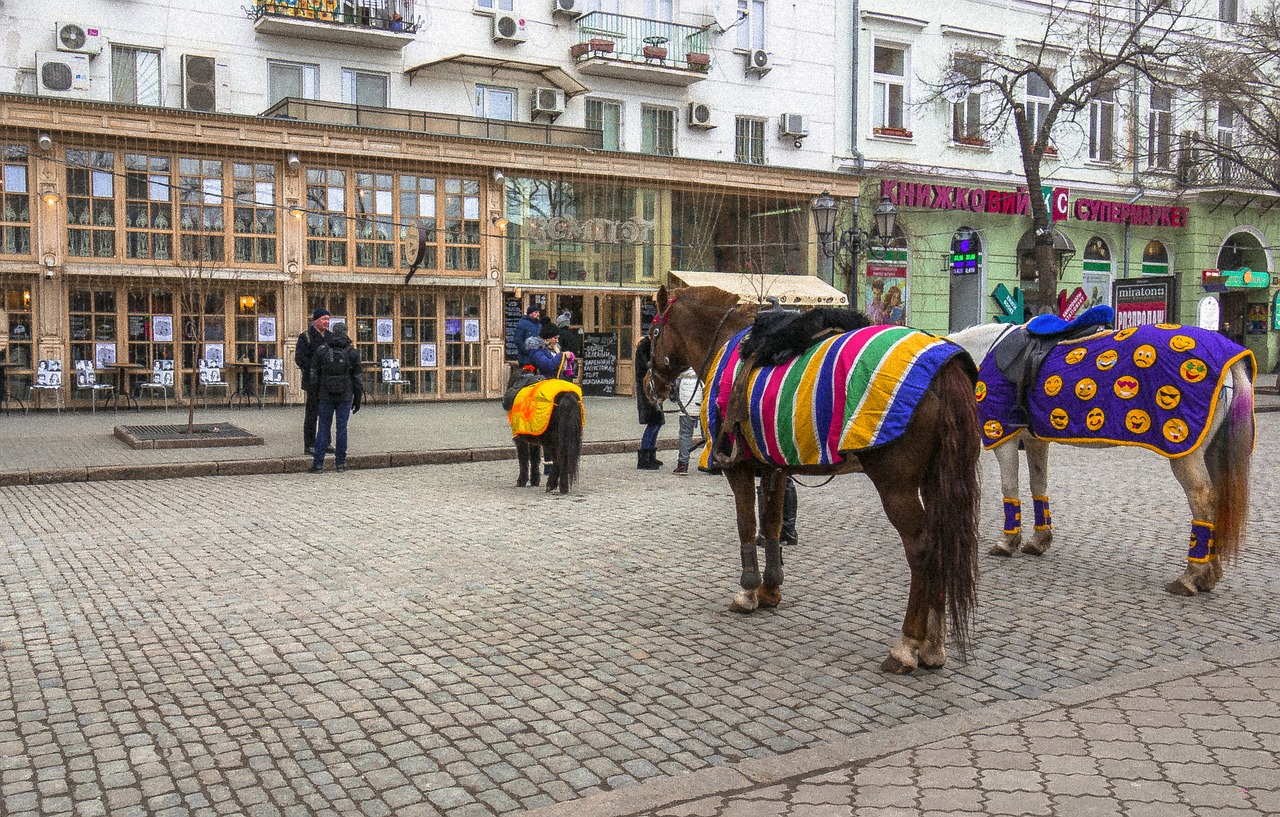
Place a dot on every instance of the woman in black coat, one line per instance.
(650, 415)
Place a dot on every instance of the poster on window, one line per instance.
(426, 354)
(162, 328)
(1097, 287)
(471, 330)
(266, 329)
(886, 293)
(452, 328)
(213, 353)
(104, 354)
(384, 331)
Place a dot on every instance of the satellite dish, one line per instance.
(725, 13)
(955, 86)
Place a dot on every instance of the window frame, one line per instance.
(964, 112)
(484, 93)
(1037, 106)
(882, 85)
(604, 104)
(351, 78)
(308, 79)
(749, 147)
(653, 129)
(1102, 127)
(753, 16)
(1160, 128)
(119, 51)
(16, 200)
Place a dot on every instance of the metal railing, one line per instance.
(334, 113)
(645, 41)
(384, 15)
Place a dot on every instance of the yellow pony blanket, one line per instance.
(531, 412)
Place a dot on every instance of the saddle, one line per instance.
(521, 382)
(1023, 351)
(777, 336)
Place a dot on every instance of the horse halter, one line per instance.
(655, 334)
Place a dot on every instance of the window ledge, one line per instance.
(971, 144)
(899, 134)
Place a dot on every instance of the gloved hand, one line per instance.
(355, 405)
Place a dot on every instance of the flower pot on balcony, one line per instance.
(655, 52)
(594, 44)
(697, 60)
(971, 141)
(901, 133)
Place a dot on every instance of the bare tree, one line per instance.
(1084, 52)
(198, 281)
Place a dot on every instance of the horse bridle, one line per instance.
(655, 335)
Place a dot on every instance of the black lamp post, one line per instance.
(853, 240)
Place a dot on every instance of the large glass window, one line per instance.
(748, 141)
(148, 207)
(605, 116)
(91, 213)
(418, 212)
(375, 227)
(200, 225)
(254, 226)
(135, 75)
(326, 217)
(16, 320)
(462, 345)
(461, 224)
(150, 326)
(364, 88)
(15, 201)
(1102, 126)
(889, 88)
(292, 79)
(657, 131)
(416, 344)
(92, 321)
(1160, 129)
(257, 332)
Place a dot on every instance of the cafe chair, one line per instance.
(48, 379)
(161, 378)
(211, 378)
(273, 378)
(87, 380)
(391, 376)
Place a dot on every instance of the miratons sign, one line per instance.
(1018, 203)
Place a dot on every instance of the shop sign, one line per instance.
(1275, 311)
(1212, 281)
(588, 231)
(1138, 215)
(1069, 305)
(1015, 310)
(1244, 278)
(1143, 301)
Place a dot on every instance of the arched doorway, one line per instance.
(887, 295)
(967, 269)
(1241, 250)
(1099, 272)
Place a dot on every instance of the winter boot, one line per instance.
(788, 535)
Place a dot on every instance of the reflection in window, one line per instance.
(15, 201)
(91, 217)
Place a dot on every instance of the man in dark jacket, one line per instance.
(336, 378)
(527, 327)
(650, 415)
(308, 342)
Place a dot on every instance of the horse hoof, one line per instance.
(769, 597)
(1000, 550)
(744, 603)
(1033, 549)
(1180, 588)
(893, 665)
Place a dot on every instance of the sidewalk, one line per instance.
(1195, 737)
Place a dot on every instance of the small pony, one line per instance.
(545, 414)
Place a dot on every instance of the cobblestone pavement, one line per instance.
(435, 641)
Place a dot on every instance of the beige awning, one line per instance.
(790, 290)
(553, 74)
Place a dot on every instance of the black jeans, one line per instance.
(310, 419)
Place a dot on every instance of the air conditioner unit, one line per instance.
(700, 116)
(549, 101)
(568, 9)
(759, 62)
(61, 74)
(78, 38)
(793, 125)
(508, 28)
(199, 88)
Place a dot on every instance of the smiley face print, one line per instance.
(1144, 356)
(1107, 360)
(1076, 355)
(1168, 397)
(1176, 431)
(993, 429)
(1052, 385)
(1193, 370)
(1168, 327)
(1086, 388)
(1058, 418)
(1095, 418)
(980, 391)
(1124, 334)
(1182, 343)
(1137, 421)
(1126, 387)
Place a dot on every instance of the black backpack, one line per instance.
(335, 371)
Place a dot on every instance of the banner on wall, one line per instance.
(886, 289)
(1144, 300)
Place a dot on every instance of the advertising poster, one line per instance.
(384, 331)
(471, 330)
(512, 312)
(1144, 300)
(1097, 285)
(162, 328)
(104, 355)
(266, 329)
(213, 353)
(886, 291)
(426, 354)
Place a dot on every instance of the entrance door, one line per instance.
(965, 268)
(1231, 319)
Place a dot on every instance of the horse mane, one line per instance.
(778, 335)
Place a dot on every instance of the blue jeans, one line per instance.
(649, 439)
(329, 410)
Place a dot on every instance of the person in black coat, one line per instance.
(308, 342)
(650, 415)
(336, 378)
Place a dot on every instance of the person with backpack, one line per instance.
(308, 342)
(335, 374)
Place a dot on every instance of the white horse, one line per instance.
(1214, 474)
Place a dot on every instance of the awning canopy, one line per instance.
(553, 74)
(790, 290)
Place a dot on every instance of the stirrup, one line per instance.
(727, 451)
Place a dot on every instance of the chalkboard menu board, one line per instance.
(599, 363)
(512, 313)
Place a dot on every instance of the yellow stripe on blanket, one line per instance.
(531, 412)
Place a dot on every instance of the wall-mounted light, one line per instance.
(49, 263)
(499, 221)
(293, 161)
(44, 141)
(498, 176)
(49, 195)
(296, 211)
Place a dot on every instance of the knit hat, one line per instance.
(548, 331)
(532, 308)
(319, 313)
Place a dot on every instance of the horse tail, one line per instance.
(951, 494)
(569, 442)
(1229, 458)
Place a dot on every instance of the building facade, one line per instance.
(189, 183)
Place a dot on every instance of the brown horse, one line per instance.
(561, 439)
(927, 476)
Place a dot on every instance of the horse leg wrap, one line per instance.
(772, 563)
(1012, 516)
(1203, 548)
(750, 567)
(1044, 520)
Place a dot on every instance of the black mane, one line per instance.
(778, 335)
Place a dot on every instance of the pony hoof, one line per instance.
(520, 483)
(895, 666)
(769, 597)
(744, 603)
(1000, 550)
(1180, 588)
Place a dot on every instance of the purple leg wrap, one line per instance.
(1012, 516)
(1203, 548)
(1044, 520)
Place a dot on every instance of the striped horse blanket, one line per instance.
(531, 412)
(849, 393)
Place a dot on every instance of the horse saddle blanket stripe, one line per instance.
(1155, 386)
(849, 393)
(531, 412)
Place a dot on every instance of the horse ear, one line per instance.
(662, 298)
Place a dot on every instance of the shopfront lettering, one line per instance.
(1138, 215)
(946, 197)
(589, 231)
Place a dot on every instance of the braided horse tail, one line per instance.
(951, 492)
(1228, 459)
(568, 422)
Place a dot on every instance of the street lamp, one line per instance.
(853, 240)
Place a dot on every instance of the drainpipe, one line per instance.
(1141, 192)
(853, 87)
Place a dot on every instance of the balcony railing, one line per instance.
(639, 41)
(1222, 173)
(334, 113)
(385, 15)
